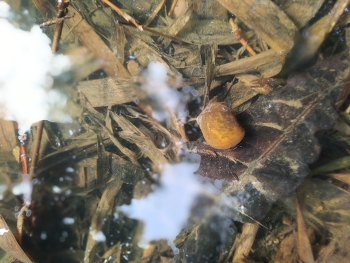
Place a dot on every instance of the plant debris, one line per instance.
(144, 70)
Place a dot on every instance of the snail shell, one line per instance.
(219, 126)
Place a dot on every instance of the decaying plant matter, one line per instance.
(280, 73)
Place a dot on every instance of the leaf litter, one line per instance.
(116, 150)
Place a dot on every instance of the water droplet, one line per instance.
(43, 235)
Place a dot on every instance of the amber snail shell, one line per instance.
(219, 126)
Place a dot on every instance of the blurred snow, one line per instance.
(68, 220)
(98, 236)
(3, 231)
(25, 187)
(27, 68)
(3, 189)
(166, 211)
(165, 99)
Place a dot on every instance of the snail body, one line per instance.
(219, 126)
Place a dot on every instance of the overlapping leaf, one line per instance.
(272, 160)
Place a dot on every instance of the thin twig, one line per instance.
(123, 14)
(237, 34)
(62, 11)
(154, 13)
(56, 21)
(23, 154)
(173, 4)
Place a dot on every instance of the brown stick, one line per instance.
(62, 11)
(23, 155)
(173, 4)
(123, 14)
(237, 34)
(55, 21)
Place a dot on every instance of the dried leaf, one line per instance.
(304, 247)
(9, 243)
(104, 208)
(272, 160)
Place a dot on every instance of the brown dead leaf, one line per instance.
(259, 157)
(304, 246)
(9, 243)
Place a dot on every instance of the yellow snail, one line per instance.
(219, 126)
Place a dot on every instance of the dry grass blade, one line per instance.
(123, 14)
(87, 35)
(173, 4)
(333, 165)
(246, 241)
(20, 222)
(147, 253)
(132, 134)
(104, 208)
(210, 52)
(304, 246)
(8, 139)
(345, 178)
(180, 22)
(39, 4)
(118, 42)
(97, 118)
(266, 64)
(157, 126)
(35, 149)
(9, 244)
(146, 52)
(154, 13)
(114, 251)
(111, 91)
